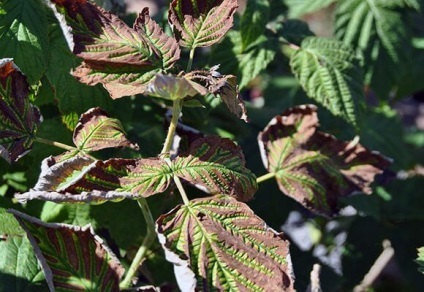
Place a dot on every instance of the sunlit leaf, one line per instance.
(19, 119)
(72, 257)
(420, 259)
(330, 73)
(298, 8)
(220, 244)
(218, 165)
(124, 60)
(254, 20)
(313, 167)
(96, 130)
(171, 87)
(201, 23)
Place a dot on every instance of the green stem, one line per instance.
(147, 242)
(265, 177)
(181, 190)
(54, 143)
(176, 110)
(190, 60)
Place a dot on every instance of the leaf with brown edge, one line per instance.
(313, 167)
(218, 243)
(223, 86)
(19, 119)
(73, 258)
(124, 60)
(96, 130)
(217, 165)
(201, 23)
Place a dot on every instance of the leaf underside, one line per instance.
(19, 119)
(331, 74)
(201, 23)
(123, 59)
(219, 243)
(313, 167)
(73, 258)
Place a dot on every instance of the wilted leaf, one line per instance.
(171, 87)
(201, 23)
(96, 130)
(220, 244)
(124, 60)
(313, 167)
(223, 86)
(217, 165)
(19, 119)
(72, 257)
(330, 73)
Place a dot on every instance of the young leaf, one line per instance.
(201, 23)
(378, 29)
(96, 130)
(171, 87)
(19, 119)
(218, 243)
(218, 165)
(330, 73)
(72, 257)
(313, 167)
(253, 21)
(124, 60)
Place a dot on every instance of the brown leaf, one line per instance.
(201, 23)
(313, 167)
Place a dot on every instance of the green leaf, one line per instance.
(171, 87)
(24, 36)
(96, 130)
(124, 60)
(201, 23)
(219, 243)
(19, 119)
(378, 29)
(72, 257)
(420, 259)
(313, 167)
(295, 31)
(218, 165)
(298, 8)
(253, 21)
(331, 74)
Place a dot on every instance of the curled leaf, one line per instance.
(219, 243)
(171, 87)
(313, 167)
(19, 119)
(201, 23)
(73, 258)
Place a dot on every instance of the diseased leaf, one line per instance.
(124, 60)
(72, 257)
(201, 23)
(19, 119)
(331, 74)
(96, 130)
(218, 243)
(217, 165)
(313, 167)
(254, 20)
(223, 86)
(171, 87)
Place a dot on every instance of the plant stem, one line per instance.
(181, 190)
(265, 177)
(176, 110)
(190, 60)
(54, 143)
(147, 242)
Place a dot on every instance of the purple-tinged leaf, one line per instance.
(313, 167)
(124, 60)
(19, 119)
(223, 86)
(201, 23)
(217, 165)
(171, 87)
(96, 130)
(219, 244)
(73, 258)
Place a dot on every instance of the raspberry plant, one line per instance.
(204, 227)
